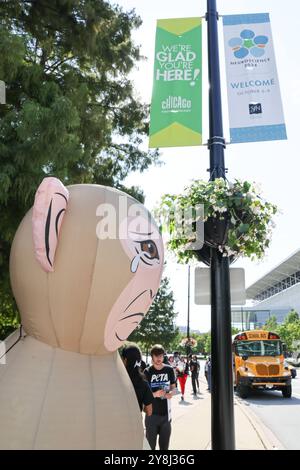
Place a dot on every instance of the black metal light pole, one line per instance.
(222, 381)
(188, 348)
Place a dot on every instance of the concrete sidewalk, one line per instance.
(191, 423)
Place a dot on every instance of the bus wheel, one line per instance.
(243, 390)
(287, 391)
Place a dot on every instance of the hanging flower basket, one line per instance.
(188, 342)
(215, 236)
(237, 221)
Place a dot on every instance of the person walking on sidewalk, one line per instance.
(176, 360)
(173, 365)
(161, 379)
(207, 372)
(194, 368)
(182, 375)
(198, 372)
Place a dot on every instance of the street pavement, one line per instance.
(191, 424)
(263, 421)
(281, 415)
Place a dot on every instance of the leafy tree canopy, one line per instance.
(292, 317)
(289, 330)
(271, 324)
(71, 109)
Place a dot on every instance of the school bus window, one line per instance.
(258, 348)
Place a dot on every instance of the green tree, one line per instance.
(271, 324)
(8, 319)
(174, 344)
(234, 330)
(207, 339)
(71, 110)
(289, 330)
(200, 343)
(292, 317)
(158, 325)
(207, 343)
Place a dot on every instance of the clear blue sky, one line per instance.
(275, 165)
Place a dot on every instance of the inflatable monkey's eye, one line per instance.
(149, 249)
(147, 252)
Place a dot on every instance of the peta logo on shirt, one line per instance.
(159, 378)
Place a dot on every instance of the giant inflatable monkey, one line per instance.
(86, 263)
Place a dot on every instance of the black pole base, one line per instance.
(221, 354)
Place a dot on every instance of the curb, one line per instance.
(266, 436)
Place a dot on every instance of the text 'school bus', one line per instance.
(258, 363)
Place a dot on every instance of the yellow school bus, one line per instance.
(258, 363)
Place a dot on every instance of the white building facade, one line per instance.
(276, 293)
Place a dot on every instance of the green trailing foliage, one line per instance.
(247, 217)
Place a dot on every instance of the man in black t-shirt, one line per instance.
(162, 381)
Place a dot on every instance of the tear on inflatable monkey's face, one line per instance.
(142, 244)
(105, 271)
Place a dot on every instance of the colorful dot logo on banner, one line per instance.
(248, 43)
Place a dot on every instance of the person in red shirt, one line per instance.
(182, 375)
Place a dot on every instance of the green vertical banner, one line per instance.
(176, 106)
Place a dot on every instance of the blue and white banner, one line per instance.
(255, 108)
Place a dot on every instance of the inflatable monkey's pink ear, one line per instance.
(49, 207)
